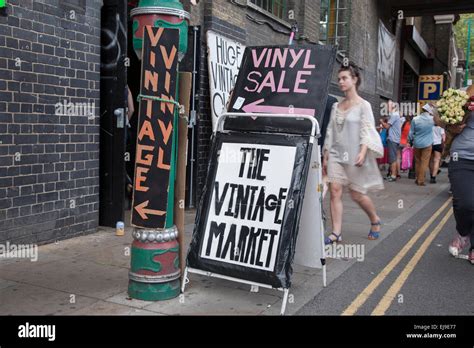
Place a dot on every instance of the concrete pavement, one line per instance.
(426, 280)
(88, 275)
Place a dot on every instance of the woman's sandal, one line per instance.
(328, 240)
(373, 235)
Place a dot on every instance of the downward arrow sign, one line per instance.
(142, 211)
(257, 107)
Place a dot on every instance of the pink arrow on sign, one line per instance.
(141, 209)
(256, 107)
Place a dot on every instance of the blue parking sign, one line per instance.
(430, 87)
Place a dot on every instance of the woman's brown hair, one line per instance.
(353, 70)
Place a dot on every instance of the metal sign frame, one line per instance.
(306, 228)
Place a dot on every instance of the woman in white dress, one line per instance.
(350, 150)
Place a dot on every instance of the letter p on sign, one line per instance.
(429, 88)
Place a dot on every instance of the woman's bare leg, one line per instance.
(399, 159)
(368, 206)
(336, 208)
(436, 162)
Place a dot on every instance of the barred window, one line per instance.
(334, 23)
(326, 20)
(278, 8)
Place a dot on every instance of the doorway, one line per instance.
(113, 109)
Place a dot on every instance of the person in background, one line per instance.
(411, 171)
(351, 147)
(394, 126)
(461, 176)
(421, 135)
(383, 162)
(130, 105)
(405, 130)
(439, 137)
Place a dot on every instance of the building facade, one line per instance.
(421, 45)
(50, 56)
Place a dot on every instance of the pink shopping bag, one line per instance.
(407, 158)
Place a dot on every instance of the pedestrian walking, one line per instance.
(461, 177)
(407, 150)
(405, 130)
(351, 147)
(383, 161)
(421, 135)
(439, 137)
(394, 127)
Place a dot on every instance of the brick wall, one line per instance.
(49, 163)
(309, 19)
(363, 46)
(437, 37)
(223, 18)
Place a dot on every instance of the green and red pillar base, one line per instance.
(155, 272)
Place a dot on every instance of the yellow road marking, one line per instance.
(368, 291)
(387, 299)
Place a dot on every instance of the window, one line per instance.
(334, 23)
(326, 20)
(278, 8)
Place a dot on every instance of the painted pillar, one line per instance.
(155, 269)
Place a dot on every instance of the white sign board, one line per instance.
(224, 57)
(248, 203)
(310, 242)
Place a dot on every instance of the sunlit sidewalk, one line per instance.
(88, 275)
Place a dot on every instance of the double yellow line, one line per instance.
(387, 299)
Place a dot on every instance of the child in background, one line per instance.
(405, 130)
(383, 162)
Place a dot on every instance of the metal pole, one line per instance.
(192, 121)
(286, 292)
(185, 277)
(469, 21)
(294, 30)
